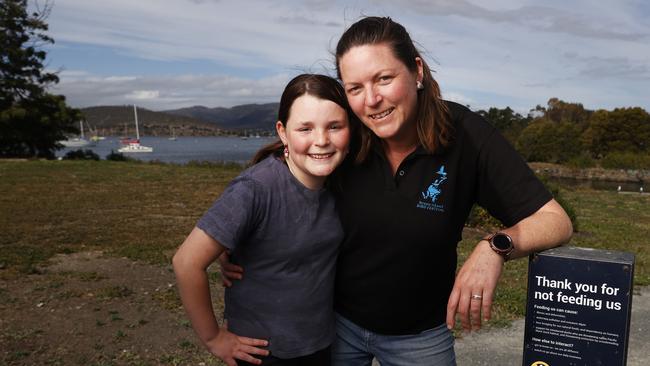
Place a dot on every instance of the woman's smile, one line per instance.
(382, 114)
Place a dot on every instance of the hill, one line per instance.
(192, 121)
(257, 117)
(119, 121)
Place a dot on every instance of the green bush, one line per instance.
(480, 218)
(117, 156)
(80, 154)
(626, 160)
(582, 161)
(548, 141)
(215, 164)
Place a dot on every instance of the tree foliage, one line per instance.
(553, 135)
(548, 141)
(560, 111)
(565, 132)
(507, 121)
(31, 119)
(620, 130)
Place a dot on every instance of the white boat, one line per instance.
(172, 133)
(77, 141)
(133, 145)
(94, 136)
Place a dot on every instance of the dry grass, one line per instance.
(607, 220)
(141, 211)
(144, 211)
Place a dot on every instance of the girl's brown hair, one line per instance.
(433, 126)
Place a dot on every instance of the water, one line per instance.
(185, 149)
(238, 150)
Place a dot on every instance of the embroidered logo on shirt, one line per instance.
(430, 195)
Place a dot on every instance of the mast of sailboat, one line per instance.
(90, 129)
(81, 127)
(137, 133)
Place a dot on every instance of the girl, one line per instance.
(277, 220)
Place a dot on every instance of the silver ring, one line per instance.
(476, 297)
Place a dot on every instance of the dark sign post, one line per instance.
(579, 307)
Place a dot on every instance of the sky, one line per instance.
(171, 54)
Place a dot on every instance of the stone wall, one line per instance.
(614, 175)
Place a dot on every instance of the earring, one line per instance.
(286, 151)
(419, 85)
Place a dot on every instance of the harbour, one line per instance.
(183, 150)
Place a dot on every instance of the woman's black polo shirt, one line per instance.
(397, 263)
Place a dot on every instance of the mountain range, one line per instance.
(192, 121)
(247, 116)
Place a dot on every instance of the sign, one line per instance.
(579, 307)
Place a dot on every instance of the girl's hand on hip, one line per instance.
(229, 346)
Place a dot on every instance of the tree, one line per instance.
(547, 141)
(560, 111)
(31, 119)
(507, 121)
(620, 130)
(554, 133)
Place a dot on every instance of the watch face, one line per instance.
(502, 241)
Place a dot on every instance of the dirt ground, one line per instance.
(90, 309)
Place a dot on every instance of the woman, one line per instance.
(424, 163)
(427, 161)
(279, 222)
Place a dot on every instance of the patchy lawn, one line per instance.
(85, 249)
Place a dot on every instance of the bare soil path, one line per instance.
(90, 309)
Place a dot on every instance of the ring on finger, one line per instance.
(476, 297)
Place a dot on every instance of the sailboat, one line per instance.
(133, 145)
(94, 136)
(77, 141)
(172, 133)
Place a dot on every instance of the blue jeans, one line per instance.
(356, 346)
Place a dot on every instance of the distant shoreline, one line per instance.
(546, 169)
(595, 174)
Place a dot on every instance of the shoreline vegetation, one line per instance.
(598, 174)
(548, 170)
(138, 213)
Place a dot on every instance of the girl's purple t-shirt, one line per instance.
(286, 237)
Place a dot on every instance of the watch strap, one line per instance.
(505, 253)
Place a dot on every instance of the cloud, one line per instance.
(458, 98)
(143, 94)
(224, 53)
(302, 20)
(224, 32)
(596, 67)
(557, 19)
(168, 92)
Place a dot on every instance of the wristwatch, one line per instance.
(501, 243)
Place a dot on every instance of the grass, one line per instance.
(144, 211)
(607, 220)
(140, 211)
